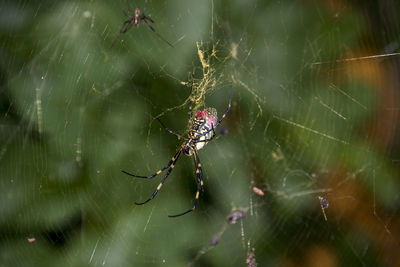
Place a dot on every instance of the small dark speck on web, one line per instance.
(235, 216)
(324, 202)
(214, 241)
(223, 130)
(324, 205)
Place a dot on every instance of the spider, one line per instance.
(200, 132)
(135, 20)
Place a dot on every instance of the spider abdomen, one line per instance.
(201, 134)
(137, 19)
(201, 128)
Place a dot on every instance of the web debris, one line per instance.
(232, 218)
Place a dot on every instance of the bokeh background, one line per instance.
(306, 163)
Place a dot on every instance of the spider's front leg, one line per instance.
(171, 167)
(147, 20)
(170, 163)
(126, 26)
(144, 17)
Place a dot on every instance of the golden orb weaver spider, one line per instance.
(200, 132)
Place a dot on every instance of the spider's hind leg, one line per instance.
(200, 186)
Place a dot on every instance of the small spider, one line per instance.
(135, 20)
(200, 132)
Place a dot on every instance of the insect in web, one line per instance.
(135, 20)
(200, 132)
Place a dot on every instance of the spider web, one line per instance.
(304, 169)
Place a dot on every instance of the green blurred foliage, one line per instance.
(304, 123)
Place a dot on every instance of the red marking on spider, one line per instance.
(204, 114)
(201, 114)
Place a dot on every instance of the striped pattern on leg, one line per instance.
(172, 165)
(174, 159)
(200, 184)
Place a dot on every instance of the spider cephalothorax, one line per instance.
(200, 132)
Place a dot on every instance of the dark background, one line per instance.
(314, 125)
